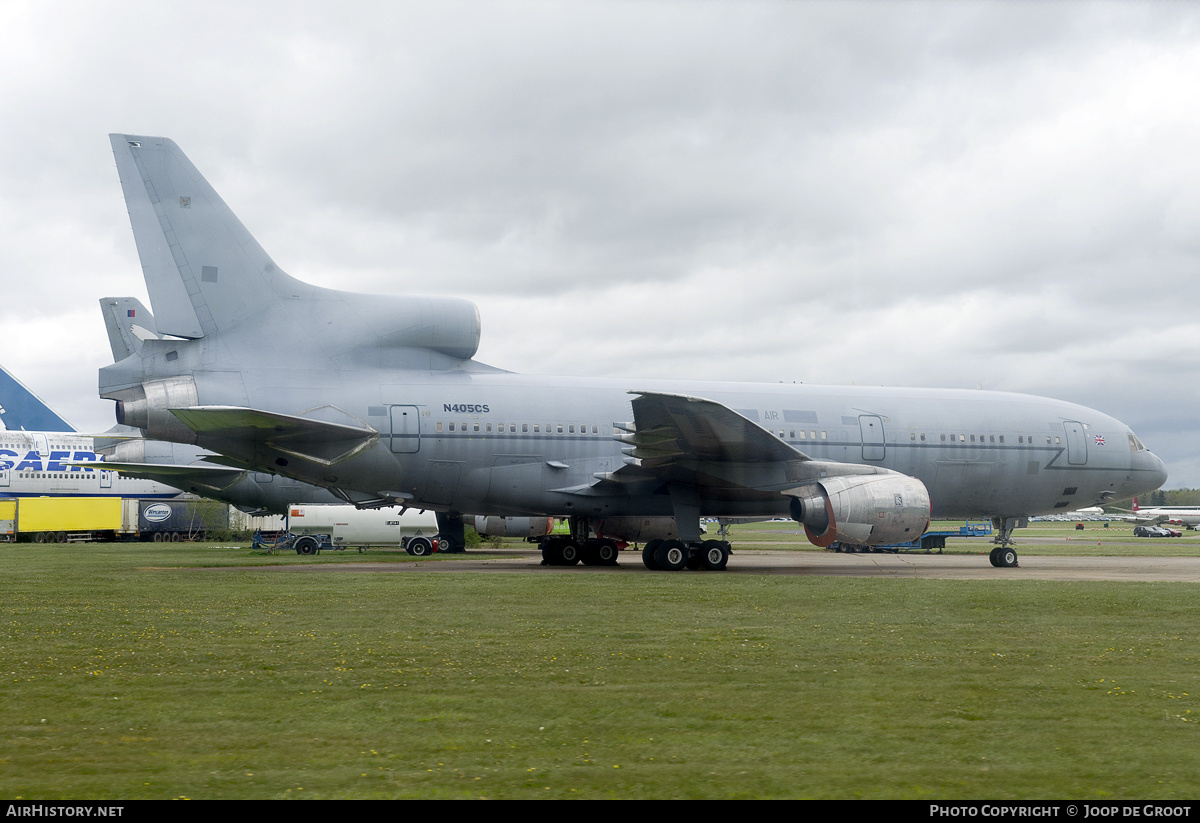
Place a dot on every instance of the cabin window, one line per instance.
(438, 426)
(570, 428)
(524, 428)
(451, 427)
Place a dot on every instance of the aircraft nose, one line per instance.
(1150, 469)
(1147, 472)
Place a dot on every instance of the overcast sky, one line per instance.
(996, 195)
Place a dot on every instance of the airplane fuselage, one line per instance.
(509, 444)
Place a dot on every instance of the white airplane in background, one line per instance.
(57, 461)
(1176, 515)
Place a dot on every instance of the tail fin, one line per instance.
(21, 409)
(1135, 505)
(204, 271)
(129, 323)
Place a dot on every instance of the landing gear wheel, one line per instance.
(606, 553)
(671, 556)
(420, 547)
(1004, 557)
(714, 555)
(568, 554)
(648, 555)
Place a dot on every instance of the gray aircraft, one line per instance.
(186, 467)
(379, 400)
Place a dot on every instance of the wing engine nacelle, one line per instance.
(868, 510)
(514, 526)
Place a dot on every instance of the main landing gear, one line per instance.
(561, 550)
(674, 555)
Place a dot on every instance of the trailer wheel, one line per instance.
(420, 547)
(39, 537)
(306, 545)
(61, 537)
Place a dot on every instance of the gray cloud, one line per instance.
(993, 194)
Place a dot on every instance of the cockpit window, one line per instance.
(1135, 445)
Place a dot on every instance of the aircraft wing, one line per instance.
(699, 448)
(669, 426)
(705, 445)
(316, 441)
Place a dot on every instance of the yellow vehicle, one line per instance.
(60, 519)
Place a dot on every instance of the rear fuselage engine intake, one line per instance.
(868, 510)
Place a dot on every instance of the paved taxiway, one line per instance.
(932, 566)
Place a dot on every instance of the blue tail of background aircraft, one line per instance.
(22, 410)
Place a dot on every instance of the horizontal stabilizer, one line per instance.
(317, 441)
(215, 478)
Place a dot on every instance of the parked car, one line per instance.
(1155, 531)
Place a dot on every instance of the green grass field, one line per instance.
(152, 671)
